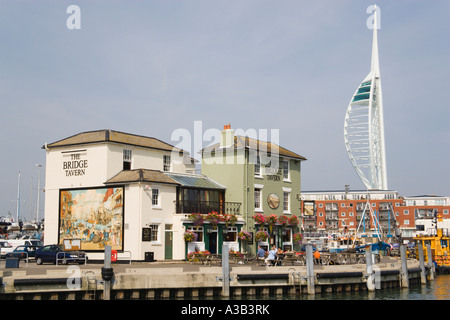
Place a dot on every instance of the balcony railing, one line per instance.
(205, 207)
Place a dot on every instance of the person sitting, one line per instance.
(280, 256)
(271, 257)
(261, 254)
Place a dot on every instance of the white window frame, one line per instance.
(155, 232)
(158, 200)
(288, 178)
(288, 192)
(167, 164)
(198, 229)
(258, 187)
(258, 167)
(127, 155)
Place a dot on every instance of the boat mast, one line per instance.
(18, 198)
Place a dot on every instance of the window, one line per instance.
(406, 212)
(350, 214)
(445, 211)
(406, 222)
(286, 201)
(155, 198)
(258, 204)
(286, 176)
(258, 167)
(198, 231)
(127, 155)
(154, 233)
(166, 163)
(231, 235)
(342, 214)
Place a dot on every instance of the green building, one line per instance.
(262, 176)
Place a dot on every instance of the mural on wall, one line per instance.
(94, 215)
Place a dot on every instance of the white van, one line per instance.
(21, 242)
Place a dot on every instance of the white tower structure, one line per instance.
(364, 127)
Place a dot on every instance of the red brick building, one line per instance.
(368, 211)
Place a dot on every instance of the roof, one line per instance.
(180, 179)
(250, 143)
(107, 135)
(195, 181)
(141, 175)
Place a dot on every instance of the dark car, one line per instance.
(52, 253)
(23, 252)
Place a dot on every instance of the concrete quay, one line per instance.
(185, 280)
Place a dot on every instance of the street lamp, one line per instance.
(38, 189)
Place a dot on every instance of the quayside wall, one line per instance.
(191, 281)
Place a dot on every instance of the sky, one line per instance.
(152, 67)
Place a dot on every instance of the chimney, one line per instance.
(227, 137)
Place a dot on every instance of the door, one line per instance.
(212, 246)
(168, 242)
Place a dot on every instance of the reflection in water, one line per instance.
(442, 288)
(439, 289)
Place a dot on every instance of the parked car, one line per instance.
(5, 247)
(50, 253)
(23, 252)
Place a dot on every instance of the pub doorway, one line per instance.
(212, 242)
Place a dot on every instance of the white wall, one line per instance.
(104, 161)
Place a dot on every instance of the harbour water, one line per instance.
(438, 289)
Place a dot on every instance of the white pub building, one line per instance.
(113, 188)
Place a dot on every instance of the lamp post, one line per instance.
(38, 191)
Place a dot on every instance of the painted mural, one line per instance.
(93, 215)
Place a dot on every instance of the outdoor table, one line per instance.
(214, 258)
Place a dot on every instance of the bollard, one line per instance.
(430, 262)
(369, 267)
(310, 269)
(423, 274)
(107, 274)
(404, 276)
(226, 270)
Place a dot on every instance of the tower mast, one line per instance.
(364, 126)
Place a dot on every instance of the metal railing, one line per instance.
(19, 257)
(205, 207)
(69, 259)
(129, 252)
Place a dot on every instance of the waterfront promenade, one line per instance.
(180, 279)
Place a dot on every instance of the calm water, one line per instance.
(439, 289)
